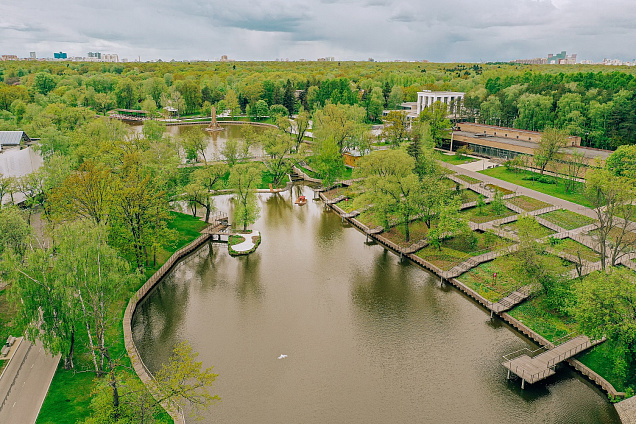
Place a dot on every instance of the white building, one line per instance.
(452, 99)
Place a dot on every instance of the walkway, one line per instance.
(25, 382)
(248, 244)
(627, 410)
(524, 191)
(542, 366)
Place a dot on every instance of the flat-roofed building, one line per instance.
(507, 143)
(452, 100)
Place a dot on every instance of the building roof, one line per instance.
(12, 138)
(588, 152)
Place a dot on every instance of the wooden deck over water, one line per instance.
(533, 369)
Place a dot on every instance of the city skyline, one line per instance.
(459, 30)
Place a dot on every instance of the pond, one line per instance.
(369, 338)
(216, 139)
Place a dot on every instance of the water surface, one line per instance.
(369, 339)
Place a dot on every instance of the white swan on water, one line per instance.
(282, 356)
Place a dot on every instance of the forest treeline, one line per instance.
(596, 103)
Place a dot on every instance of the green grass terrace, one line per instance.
(567, 219)
(486, 214)
(457, 249)
(528, 204)
(527, 179)
(482, 278)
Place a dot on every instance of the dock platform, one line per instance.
(535, 368)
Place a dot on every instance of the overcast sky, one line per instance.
(435, 30)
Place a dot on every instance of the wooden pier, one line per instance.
(535, 368)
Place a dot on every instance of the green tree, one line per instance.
(261, 109)
(180, 382)
(244, 180)
(532, 263)
(391, 185)
(205, 181)
(125, 93)
(438, 123)
(395, 127)
(327, 161)
(611, 198)
(232, 103)
(451, 224)
(605, 307)
(44, 82)
(622, 162)
(14, 231)
(191, 94)
(340, 123)
(552, 141)
(278, 147)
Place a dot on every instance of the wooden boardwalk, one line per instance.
(513, 299)
(533, 369)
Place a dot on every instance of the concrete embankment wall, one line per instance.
(524, 329)
(140, 368)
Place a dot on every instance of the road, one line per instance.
(25, 382)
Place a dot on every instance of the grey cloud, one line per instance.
(468, 30)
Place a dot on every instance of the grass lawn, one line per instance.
(370, 219)
(528, 204)
(469, 180)
(486, 214)
(481, 279)
(335, 192)
(454, 159)
(68, 399)
(573, 247)
(597, 359)
(347, 205)
(458, 249)
(468, 195)
(417, 229)
(556, 190)
(503, 191)
(514, 228)
(309, 172)
(567, 219)
(537, 315)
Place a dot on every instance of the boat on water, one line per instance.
(301, 200)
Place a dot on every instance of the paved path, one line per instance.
(247, 245)
(524, 191)
(25, 382)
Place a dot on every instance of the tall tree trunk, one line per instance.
(98, 371)
(68, 360)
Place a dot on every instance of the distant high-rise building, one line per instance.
(32, 55)
(561, 59)
(110, 58)
(224, 58)
(9, 57)
(60, 55)
(95, 55)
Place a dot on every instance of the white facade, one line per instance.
(452, 99)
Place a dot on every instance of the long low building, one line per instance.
(507, 143)
(12, 138)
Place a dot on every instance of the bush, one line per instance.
(544, 179)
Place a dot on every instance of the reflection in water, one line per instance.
(216, 139)
(369, 339)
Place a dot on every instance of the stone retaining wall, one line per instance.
(140, 368)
